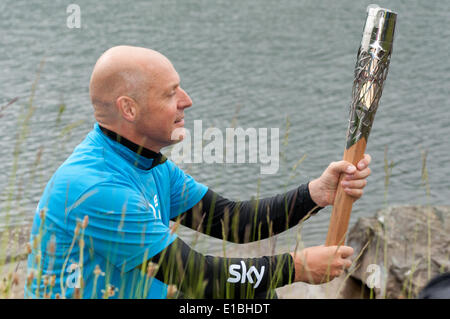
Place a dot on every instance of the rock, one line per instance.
(343, 287)
(400, 249)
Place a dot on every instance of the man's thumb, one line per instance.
(343, 167)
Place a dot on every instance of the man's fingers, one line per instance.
(349, 168)
(347, 263)
(364, 162)
(359, 183)
(359, 174)
(342, 251)
(343, 167)
(354, 192)
(346, 251)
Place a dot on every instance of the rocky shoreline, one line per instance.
(397, 251)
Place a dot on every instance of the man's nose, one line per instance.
(185, 100)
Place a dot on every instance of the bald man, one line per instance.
(101, 228)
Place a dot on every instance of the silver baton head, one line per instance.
(379, 29)
(370, 71)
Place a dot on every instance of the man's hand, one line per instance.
(323, 189)
(319, 264)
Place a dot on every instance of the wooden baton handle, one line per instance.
(343, 202)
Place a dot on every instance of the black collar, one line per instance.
(158, 158)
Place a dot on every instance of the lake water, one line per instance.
(253, 64)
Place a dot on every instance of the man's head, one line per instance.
(136, 93)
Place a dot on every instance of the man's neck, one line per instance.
(139, 149)
(127, 131)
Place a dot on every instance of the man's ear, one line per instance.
(127, 107)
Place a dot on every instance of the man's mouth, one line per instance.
(179, 120)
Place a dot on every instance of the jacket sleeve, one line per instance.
(252, 220)
(200, 276)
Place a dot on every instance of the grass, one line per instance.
(426, 185)
(16, 193)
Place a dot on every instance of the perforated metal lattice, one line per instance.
(370, 73)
